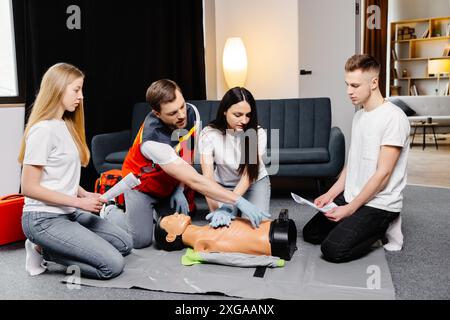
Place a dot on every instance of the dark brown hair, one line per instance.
(161, 91)
(362, 62)
(231, 97)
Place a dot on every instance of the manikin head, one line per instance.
(168, 231)
(361, 77)
(167, 103)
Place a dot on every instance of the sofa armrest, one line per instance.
(336, 147)
(104, 144)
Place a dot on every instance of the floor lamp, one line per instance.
(437, 67)
(235, 62)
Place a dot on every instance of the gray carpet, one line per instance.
(422, 269)
(419, 271)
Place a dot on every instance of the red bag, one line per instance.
(11, 207)
(106, 181)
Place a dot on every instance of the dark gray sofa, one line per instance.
(308, 145)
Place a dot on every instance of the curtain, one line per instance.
(375, 39)
(122, 47)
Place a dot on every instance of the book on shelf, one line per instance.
(395, 90)
(446, 52)
(445, 92)
(394, 73)
(447, 31)
(426, 33)
(394, 54)
(413, 90)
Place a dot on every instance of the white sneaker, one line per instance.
(34, 261)
(107, 207)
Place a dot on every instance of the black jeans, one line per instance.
(351, 237)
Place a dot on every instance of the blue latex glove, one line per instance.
(221, 216)
(252, 212)
(178, 201)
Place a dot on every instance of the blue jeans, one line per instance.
(258, 194)
(96, 246)
(137, 221)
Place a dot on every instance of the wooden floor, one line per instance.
(430, 167)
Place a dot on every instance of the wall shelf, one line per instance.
(426, 39)
(422, 39)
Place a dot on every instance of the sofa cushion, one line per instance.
(428, 105)
(207, 110)
(116, 157)
(301, 123)
(303, 155)
(404, 106)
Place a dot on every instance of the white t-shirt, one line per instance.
(385, 125)
(226, 151)
(159, 153)
(49, 144)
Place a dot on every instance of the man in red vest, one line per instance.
(161, 157)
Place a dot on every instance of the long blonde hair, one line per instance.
(45, 107)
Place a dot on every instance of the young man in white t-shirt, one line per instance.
(369, 190)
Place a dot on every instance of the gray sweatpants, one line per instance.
(138, 218)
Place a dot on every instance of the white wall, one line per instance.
(269, 29)
(8, 76)
(11, 131)
(325, 47)
(417, 9)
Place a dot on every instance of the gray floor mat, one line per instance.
(306, 276)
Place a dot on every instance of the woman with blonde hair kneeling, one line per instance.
(57, 217)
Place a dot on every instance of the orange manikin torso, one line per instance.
(240, 237)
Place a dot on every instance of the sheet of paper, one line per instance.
(301, 200)
(127, 183)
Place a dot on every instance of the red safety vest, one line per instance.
(154, 180)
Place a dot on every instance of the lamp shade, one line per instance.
(438, 66)
(234, 62)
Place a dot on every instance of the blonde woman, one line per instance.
(56, 216)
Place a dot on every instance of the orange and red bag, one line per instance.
(107, 180)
